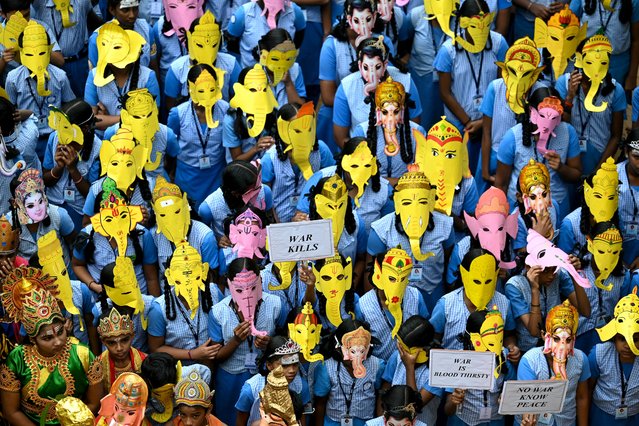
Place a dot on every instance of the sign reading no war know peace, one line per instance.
(533, 396)
(461, 369)
(294, 241)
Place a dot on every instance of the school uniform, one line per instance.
(290, 298)
(83, 300)
(169, 48)
(141, 27)
(296, 76)
(25, 139)
(231, 139)
(135, 199)
(139, 340)
(200, 237)
(571, 240)
(628, 211)
(524, 23)
(327, 325)
(309, 52)
(521, 240)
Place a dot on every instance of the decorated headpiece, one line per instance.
(414, 199)
(204, 42)
(561, 323)
(271, 9)
(125, 290)
(390, 94)
(366, 62)
(560, 37)
(298, 133)
(594, 60)
(478, 27)
(36, 208)
(181, 14)
(255, 98)
(289, 352)
(625, 322)
(279, 59)
(442, 10)
(602, 197)
(246, 291)
(35, 54)
(122, 159)
(67, 132)
(275, 399)
(546, 117)
(534, 184)
(128, 394)
(493, 223)
(490, 336)
(9, 236)
(443, 156)
(140, 114)
(520, 71)
(605, 248)
(542, 252)
(479, 277)
(333, 279)
(332, 203)
(71, 411)
(206, 91)
(187, 274)
(356, 13)
(355, 346)
(361, 165)
(172, 210)
(392, 278)
(28, 297)
(193, 391)
(10, 32)
(247, 233)
(306, 332)
(117, 47)
(115, 325)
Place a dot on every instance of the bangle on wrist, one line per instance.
(535, 306)
(467, 121)
(530, 5)
(78, 181)
(53, 175)
(90, 284)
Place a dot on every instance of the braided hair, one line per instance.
(349, 295)
(469, 9)
(624, 14)
(401, 402)
(287, 113)
(349, 223)
(349, 147)
(237, 178)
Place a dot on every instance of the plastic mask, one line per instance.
(35, 54)
(333, 280)
(187, 275)
(117, 47)
(205, 92)
(492, 223)
(331, 203)
(372, 70)
(560, 37)
(355, 347)
(279, 59)
(172, 211)
(491, 337)
(534, 184)
(246, 291)
(443, 155)
(67, 132)
(181, 14)
(546, 117)
(255, 98)
(392, 278)
(605, 249)
(306, 331)
(126, 401)
(140, 114)
(12, 29)
(361, 165)
(115, 219)
(299, 135)
(390, 99)
(561, 329)
(125, 290)
(271, 9)
(385, 9)
(480, 280)
(442, 10)
(542, 252)
(204, 42)
(414, 201)
(51, 258)
(625, 322)
(594, 60)
(361, 21)
(65, 9)
(287, 270)
(520, 71)
(121, 159)
(602, 197)
(248, 235)
(30, 198)
(478, 27)
(422, 355)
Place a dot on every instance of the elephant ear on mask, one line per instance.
(181, 14)
(306, 332)
(299, 135)
(478, 27)
(361, 165)
(625, 322)
(11, 31)
(116, 47)
(605, 249)
(594, 60)
(35, 54)
(443, 11)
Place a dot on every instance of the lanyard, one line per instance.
(601, 13)
(55, 27)
(476, 77)
(349, 399)
(485, 398)
(204, 141)
(249, 338)
(35, 99)
(624, 383)
(194, 331)
(584, 125)
(381, 308)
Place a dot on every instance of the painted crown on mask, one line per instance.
(390, 91)
(533, 174)
(207, 31)
(562, 316)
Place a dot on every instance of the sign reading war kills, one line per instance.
(309, 240)
(461, 369)
(533, 396)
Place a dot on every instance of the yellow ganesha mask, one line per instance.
(625, 322)
(206, 91)
(479, 272)
(361, 165)
(187, 275)
(121, 159)
(442, 10)
(67, 132)
(602, 197)
(305, 331)
(486, 332)
(125, 290)
(35, 54)
(333, 277)
(204, 41)
(605, 248)
(478, 27)
(117, 47)
(279, 59)
(332, 203)
(443, 155)
(172, 211)
(392, 278)
(594, 60)
(65, 9)
(520, 71)
(11, 31)
(255, 98)
(140, 114)
(298, 134)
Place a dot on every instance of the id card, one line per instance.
(294, 200)
(416, 273)
(156, 9)
(621, 413)
(477, 100)
(545, 419)
(69, 195)
(346, 421)
(583, 145)
(485, 413)
(631, 230)
(249, 361)
(205, 162)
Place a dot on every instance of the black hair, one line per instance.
(350, 225)
(598, 229)
(401, 402)
(7, 122)
(167, 26)
(606, 86)
(107, 279)
(340, 30)
(472, 254)
(298, 404)
(80, 113)
(369, 47)
(267, 355)
(287, 112)
(159, 369)
(269, 40)
(473, 325)
(534, 99)
(239, 120)
(9, 6)
(390, 27)
(469, 9)
(12, 187)
(417, 332)
(237, 177)
(240, 264)
(633, 136)
(197, 69)
(349, 147)
(329, 347)
(349, 295)
(624, 14)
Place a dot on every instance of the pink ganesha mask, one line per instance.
(546, 117)
(246, 291)
(181, 14)
(247, 235)
(271, 9)
(492, 223)
(542, 252)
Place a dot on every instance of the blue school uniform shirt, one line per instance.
(23, 92)
(248, 25)
(290, 298)
(136, 198)
(461, 65)
(635, 104)
(628, 211)
(571, 239)
(83, 300)
(168, 48)
(24, 138)
(295, 73)
(230, 139)
(521, 240)
(141, 27)
(89, 169)
(427, 39)
(72, 40)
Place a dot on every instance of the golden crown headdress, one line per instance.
(629, 303)
(115, 325)
(193, 391)
(112, 198)
(413, 178)
(607, 175)
(276, 399)
(34, 32)
(334, 188)
(374, 42)
(524, 50)
(562, 316)
(390, 91)
(532, 174)
(184, 253)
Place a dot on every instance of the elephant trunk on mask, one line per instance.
(255, 124)
(333, 311)
(416, 249)
(396, 311)
(590, 97)
(359, 370)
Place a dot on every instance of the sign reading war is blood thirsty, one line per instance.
(461, 369)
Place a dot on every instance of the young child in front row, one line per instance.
(193, 398)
